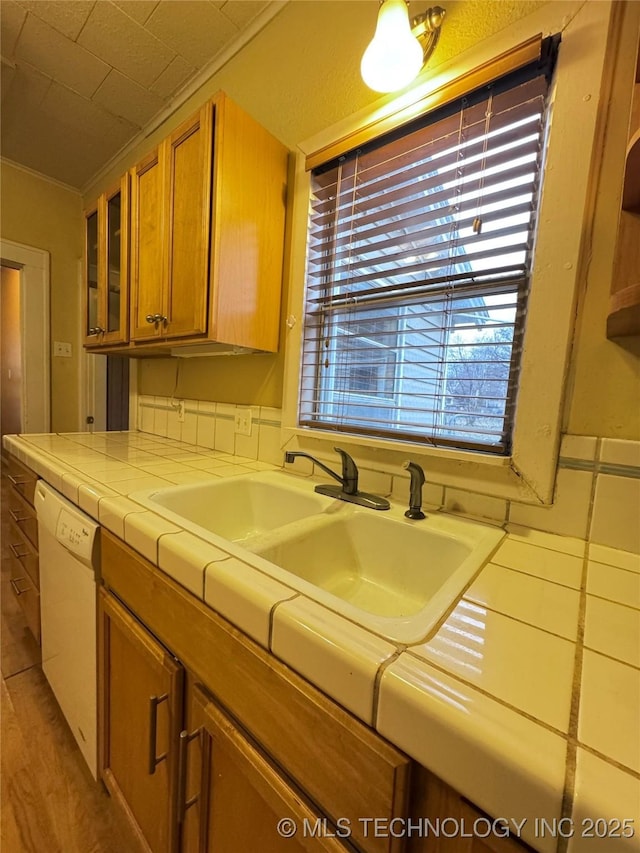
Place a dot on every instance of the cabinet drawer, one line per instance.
(27, 596)
(345, 768)
(23, 480)
(23, 517)
(24, 554)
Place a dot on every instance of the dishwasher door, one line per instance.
(69, 556)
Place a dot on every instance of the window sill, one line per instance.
(477, 472)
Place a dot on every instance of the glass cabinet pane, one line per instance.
(114, 258)
(92, 271)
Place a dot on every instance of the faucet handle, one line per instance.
(349, 472)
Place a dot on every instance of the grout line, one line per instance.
(612, 657)
(518, 619)
(6, 678)
(608, 760)
(377, 682)
(484, 692)
(272, 614)
(569, 792)
(536, 577)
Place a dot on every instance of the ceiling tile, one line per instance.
(68, 18)
(26, 93)
(119, 40)
(6, 79)
(78, 112)
(59, 57)
(73, 164)
(195, 30)
(241, 12)
(122, 97)
(139, 10)
(174, 75)
(11, 20)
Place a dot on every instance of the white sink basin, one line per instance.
(391, 575)
(384, 567)
(235, 508)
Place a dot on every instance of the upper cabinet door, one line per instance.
(148, 248)
(106, 271)
(116, 263)
(91, 276)
(188, 153)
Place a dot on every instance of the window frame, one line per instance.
(528, 474)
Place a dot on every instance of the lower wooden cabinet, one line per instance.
(204, 788)
(22, 527)
(141, 705)
(208, 741)
(234, 798)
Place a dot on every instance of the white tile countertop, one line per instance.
(525, 698)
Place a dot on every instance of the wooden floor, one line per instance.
(49, 803)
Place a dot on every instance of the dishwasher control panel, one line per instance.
(74, 534)
(74, 530)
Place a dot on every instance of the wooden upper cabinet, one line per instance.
(106, 273)
(147, 246)
(247, 243)
(207, 233)
(188, 153)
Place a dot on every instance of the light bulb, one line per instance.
(394, 56)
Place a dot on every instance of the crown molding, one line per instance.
(34, 173)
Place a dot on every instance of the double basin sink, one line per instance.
(392, 575)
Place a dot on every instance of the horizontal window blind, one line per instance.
(419, 257)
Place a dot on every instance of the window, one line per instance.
(418, 267)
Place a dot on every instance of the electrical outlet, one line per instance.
(180, 408)
(243, 421)
(62, 349)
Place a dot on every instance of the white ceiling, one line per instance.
(81, 78)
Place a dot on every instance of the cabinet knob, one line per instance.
(156, 318)
(95, 330)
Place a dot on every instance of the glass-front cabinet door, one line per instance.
(107, 267)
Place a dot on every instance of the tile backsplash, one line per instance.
(212, 425)
(597, 493)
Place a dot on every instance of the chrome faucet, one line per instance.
(415, 490)
(348, 488)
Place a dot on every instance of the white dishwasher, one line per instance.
(69, 551)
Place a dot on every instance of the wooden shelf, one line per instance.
(624, 313)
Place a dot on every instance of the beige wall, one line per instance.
(297, 77)
(44, 215)
(301, 75)
(10, 355)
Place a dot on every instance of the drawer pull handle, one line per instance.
(154, 760)
(15, 515)
(183, 803)
(14, 551)
(15, 482)
(14, 583)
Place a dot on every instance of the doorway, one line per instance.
(10, 353)
(27, 384)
